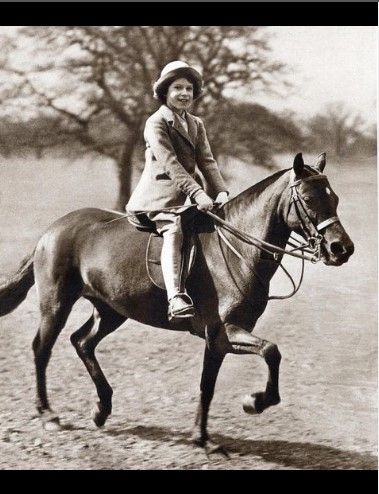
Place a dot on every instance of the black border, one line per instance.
(190, 13)
(296, 481)
(198, 13)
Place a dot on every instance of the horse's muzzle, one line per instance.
(337, 252)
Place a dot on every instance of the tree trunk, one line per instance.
(338, 143)
(125, 170)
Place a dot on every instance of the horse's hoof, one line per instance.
(253, 404)
(99, 417)
(198, 440)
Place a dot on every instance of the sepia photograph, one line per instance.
(189, 247)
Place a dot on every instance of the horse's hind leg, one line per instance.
(54, 315)
(103, 322)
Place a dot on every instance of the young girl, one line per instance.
(176, 142)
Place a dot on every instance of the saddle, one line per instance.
(201, 224)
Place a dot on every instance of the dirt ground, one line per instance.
(326, 334)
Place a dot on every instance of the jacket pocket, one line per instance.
(162, 176)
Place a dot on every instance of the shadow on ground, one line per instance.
(298, 455)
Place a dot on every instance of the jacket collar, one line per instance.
(172, 118)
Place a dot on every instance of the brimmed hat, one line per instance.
(176, 70)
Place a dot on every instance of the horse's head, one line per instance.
(312, 212)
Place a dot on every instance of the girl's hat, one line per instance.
(176, 70)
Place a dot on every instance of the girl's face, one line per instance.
(180, 95)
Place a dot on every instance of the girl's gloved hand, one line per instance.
(222, 198)
(203, 201)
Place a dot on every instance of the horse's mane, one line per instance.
(255, 190)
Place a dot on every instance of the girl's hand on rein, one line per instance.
(222, 198)
(203, 201)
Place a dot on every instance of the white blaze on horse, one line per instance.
(89, 254)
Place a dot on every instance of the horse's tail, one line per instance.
(15, 289)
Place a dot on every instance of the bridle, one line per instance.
(310, 232)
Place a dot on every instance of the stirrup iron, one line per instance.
(183, 313)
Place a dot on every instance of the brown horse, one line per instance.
(88, 254)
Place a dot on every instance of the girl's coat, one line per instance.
(171, 158)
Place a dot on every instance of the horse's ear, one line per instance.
(298, 164)
(321, 162)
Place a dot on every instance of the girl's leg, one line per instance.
(172, 262)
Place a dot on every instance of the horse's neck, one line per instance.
(261, 213)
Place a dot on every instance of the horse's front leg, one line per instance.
(211, 366)
(234, 339)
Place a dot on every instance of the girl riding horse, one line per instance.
(176, 142)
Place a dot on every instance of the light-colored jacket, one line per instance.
(170, 161)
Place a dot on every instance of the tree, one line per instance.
(335, 130)
(253, 132)
(365, 144)
(95, 82)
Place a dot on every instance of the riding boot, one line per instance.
(172, 262)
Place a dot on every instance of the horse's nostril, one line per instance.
(337, 248)
(350, 249)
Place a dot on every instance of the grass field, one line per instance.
(327, 335)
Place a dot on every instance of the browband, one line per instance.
(308, 179)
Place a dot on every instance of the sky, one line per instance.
(326, 64)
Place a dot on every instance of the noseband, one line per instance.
(310, 230)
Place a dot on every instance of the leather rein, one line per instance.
(310, 230)
(309, 251)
